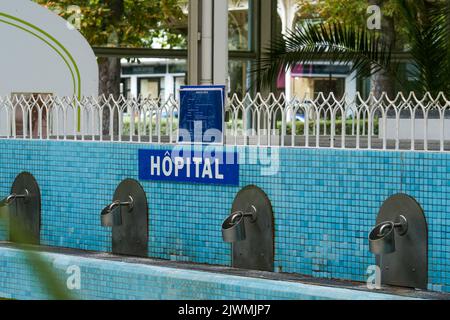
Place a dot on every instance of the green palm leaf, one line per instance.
(427, 27)
(426, 34)
(440, 19)
(363, 50)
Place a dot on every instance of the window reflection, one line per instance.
(163, 77)
(154, 77)
(238, 23)
(239, 72)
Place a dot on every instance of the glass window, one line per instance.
(125, 87)
(149, 87)
(155, 76)
(238, 25)
(178, 66)
(143, 69)
(178, 82)
(308, 80)
(310, 87)
(238, 71)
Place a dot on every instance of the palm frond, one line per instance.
(359, 48)
(427, 26)
(440, 18)
(426, 46)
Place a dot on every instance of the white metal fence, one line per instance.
(403, 123)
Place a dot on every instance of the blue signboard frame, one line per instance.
(204, 104)
(189, 167)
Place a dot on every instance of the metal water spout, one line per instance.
(13, 197)
(382, 237)
(112, 214)
(233, 228)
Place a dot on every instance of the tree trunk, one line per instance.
(110, 71)
(109, 85)
(109, 74)
(382, 82)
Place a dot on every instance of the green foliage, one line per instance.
(133, 23)
(163, 129)
(349, 12)
(325, 127)
(357, 46)
(426, 25)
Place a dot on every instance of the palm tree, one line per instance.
(427, 28)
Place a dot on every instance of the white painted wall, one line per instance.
(433, 129)
(287, 10)
(220, 45)
(350, 87)
(41, 53)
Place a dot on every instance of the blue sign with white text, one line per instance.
(201, 114)
(182, 165)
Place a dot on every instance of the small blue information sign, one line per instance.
(220, 168)
(202, 114)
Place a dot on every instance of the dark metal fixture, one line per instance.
(400, 242)
(382, 237)
(23, 207)
(112, 214)
(250, 230)
(233, 228)
(9, 200)
(128, 216)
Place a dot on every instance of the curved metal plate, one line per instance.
(131, 238)
(256, 252)
(408, 265)
(25, 217)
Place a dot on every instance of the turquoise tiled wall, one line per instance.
(325, 202)
(105, 279)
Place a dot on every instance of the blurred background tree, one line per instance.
(123, 23)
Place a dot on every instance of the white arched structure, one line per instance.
(43, 54)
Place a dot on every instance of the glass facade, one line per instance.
(154, 77)
(239, 77)
(159, 76)
(161, 27)
(238, 25)
(307, 81)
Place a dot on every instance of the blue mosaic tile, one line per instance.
(325, 202)
(103, 279)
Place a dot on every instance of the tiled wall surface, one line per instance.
(103, 279)
(324, 201)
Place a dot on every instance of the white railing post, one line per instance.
(403, 122)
